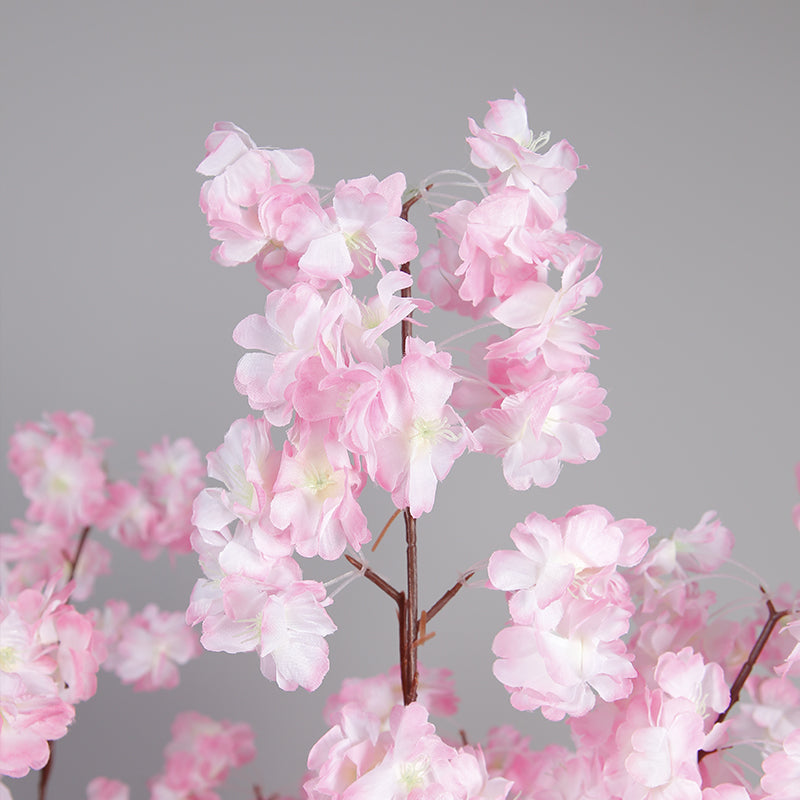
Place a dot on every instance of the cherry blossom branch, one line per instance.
(373, 576)
(447, 596)
(744, 673)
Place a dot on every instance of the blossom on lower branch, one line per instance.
(569, 608)
(200, 756)
(358, 760)
(146, 649)
(249, 601)
(49, 656)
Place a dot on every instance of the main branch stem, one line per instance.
(409, 629)
(409, 622)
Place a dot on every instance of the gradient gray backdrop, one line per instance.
(686, 113)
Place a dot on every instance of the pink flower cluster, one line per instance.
(155, 514)
(319, 362)
(570, 608)
(260, 206)
(49, 657)
(147, 648)
(576, 588)
(200, 756)
(360, 758)
(60, 469)
(319, 355)
(197, 761)
(49, 651)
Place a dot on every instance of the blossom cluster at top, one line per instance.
(320, 363)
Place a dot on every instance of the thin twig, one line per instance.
(373, 576)
(426, 638)
(744, 673)
(422, 634)
(405, 327)
(447, 596)
(386, 528)
(73, 564)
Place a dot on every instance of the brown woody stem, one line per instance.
(373, 576)
(744, 673)
(73, 564)
(447, 596)
(408, 651)
(386, 528)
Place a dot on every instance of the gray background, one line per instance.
(687, 115)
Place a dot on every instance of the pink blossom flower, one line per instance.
(781, 780)
(247, 464)
(31, 719)
(41, 553)
(107, 789)
(686, 675)
(49, 658)
(536, 429)
(793, 659)
(286, 335)
(440, 276)
(659, 757)
(60, 469)
(726, 791)
(362, 228)
(200, 755)
(253, 602)
(355, 761)
(506, 147)
(241, 175)
(509, 239)
(150, 646)
(576, 553)
(130, 518)
(704, 548)
(547, 323)
(172, 475)
(315, 494)
(773, 712)
(568, 650)
(293, 650)
(422, 435)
